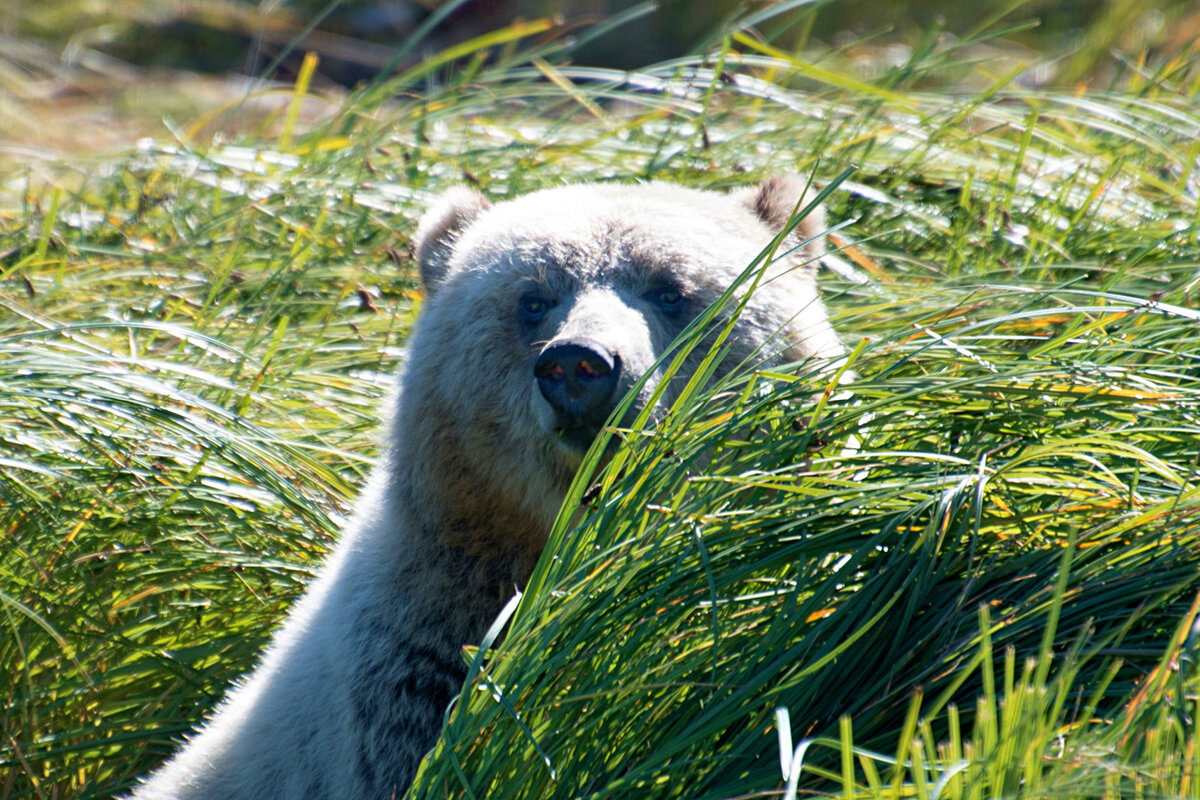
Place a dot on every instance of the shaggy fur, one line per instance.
(350, 694)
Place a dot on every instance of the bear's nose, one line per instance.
(578, 378)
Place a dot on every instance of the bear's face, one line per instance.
(544, 311)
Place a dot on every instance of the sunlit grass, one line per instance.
(982, 563)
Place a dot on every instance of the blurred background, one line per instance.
(90, 75)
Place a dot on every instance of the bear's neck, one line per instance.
(467, 547)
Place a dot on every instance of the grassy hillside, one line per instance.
(992, 594)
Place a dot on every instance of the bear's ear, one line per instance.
(433, 243)
(776, 199)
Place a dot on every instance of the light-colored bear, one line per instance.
(541, 313)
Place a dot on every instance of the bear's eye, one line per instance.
(666, 297)
(534, 307)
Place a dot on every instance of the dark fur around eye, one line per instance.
(534, 307)
(667, 298)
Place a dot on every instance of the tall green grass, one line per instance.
(972, 576)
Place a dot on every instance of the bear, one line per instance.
(540, 314)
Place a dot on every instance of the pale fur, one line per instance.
(350, 694)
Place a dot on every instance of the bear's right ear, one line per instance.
(776, 199)
(441, 226)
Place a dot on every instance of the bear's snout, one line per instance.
(578, 378)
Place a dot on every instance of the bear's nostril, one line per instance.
(587, 369)
(549, 370)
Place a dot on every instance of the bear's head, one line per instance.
(543, 311)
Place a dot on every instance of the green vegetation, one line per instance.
(992, 594)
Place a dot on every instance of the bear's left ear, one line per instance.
(441, 226)
(776, 199)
